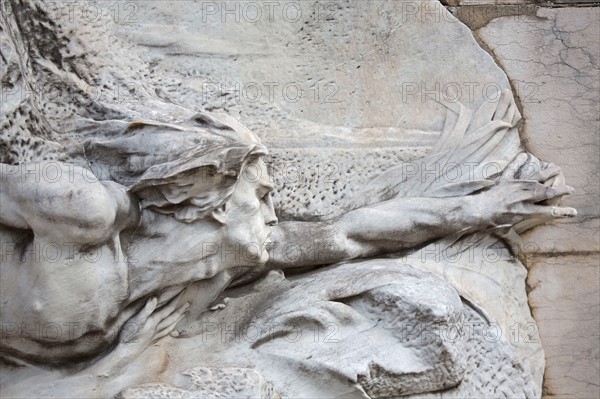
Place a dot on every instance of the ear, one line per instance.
(220, 213)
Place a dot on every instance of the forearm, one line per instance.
(403, 223)
(385, 227)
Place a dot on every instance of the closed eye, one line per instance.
(267, 196)
(264, 191)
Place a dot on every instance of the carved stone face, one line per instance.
(247, 217)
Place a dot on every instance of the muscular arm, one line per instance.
(63, 202)
(402, 223)
(384, 227)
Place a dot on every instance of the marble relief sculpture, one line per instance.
(174, 276)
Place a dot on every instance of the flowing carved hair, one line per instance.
(185, 170)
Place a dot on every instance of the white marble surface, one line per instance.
(396, 127)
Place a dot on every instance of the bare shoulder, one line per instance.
(62, 201)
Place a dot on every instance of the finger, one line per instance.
(533, 191)
(138, 321)
(169, 294)
(558, 180)
(143, 316)
(515, 165)
(555, 211)
(554, 192)
(529, 191)
(168, 308)
(548, 173)
(169, 329)
(173, 316)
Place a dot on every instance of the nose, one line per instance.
(269, 213)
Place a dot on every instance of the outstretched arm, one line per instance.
(402, 223)
(390, 226)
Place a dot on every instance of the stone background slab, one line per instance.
(551, 56)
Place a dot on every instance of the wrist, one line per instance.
(478, 211)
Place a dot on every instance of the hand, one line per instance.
(150, 324)
(142, 330)
(511, 201)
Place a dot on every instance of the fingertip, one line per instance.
(564, 212)
(569, 212)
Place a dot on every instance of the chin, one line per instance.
(254, 259)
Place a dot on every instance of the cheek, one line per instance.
(246, 228)
(254, 217)
(245, 222)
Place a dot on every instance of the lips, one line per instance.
(268, 242)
